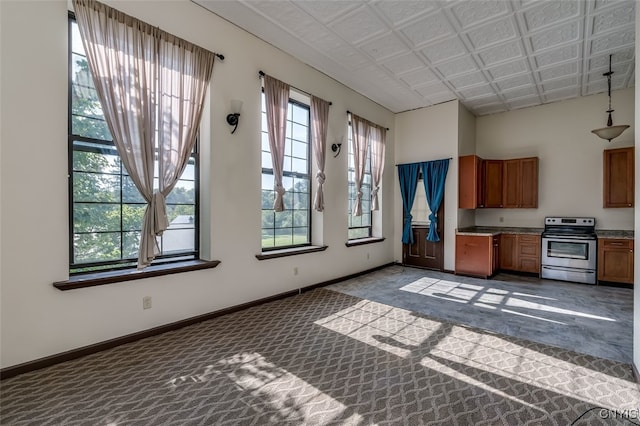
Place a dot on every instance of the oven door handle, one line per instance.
(567, 237)
(560, 268)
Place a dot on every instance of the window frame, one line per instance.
(291, 174)
(350, 170)
(128, 263)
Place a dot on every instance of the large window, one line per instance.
(105, 207)
(291, 227)
(359, 226)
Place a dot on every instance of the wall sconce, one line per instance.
(336, 147)
(232, 118)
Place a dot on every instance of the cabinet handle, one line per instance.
(629, 204)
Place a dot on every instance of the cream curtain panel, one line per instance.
(319, 122)
(360, 132)
(151, 86)
(378, 142)
(276, 94)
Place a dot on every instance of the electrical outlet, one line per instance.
(146, 302)
(295, 270)
(501, 219)
(368, 255)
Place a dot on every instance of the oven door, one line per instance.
(569, 252)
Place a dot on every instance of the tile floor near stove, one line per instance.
(595, 320)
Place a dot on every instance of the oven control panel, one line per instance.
(570, 221)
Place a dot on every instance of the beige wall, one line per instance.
(36, 319)
(423, 135)
(636, 298)
(466, 146)
(570, 171)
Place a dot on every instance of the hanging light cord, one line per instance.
(608, 75)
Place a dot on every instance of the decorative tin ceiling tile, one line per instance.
(398, 12)
(471, 13)
(384, 47)
(404, 63)
(524, 102)
(515, 81)
(445, 50)
(428, 29)
(359, 25)
(457, 66)
(482, 90)
(433, 89)
(492, 33)
(614, 18)
(466, 80)
(613, 41)
(560, 83)
(503, 52)
(510, 68)
(418, 77)
(566, 93)
(558, 71)
(555, 56)
(550, 12)
(555, 36)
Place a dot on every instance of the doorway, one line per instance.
(423, 253)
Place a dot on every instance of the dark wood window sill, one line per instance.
(274, 254)
(363, 241)
(110, 277)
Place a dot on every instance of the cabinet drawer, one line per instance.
(613, 244)
(530, 239)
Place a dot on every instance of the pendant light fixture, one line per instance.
(611, 131)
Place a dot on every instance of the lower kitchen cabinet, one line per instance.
(615, 260)
(520, 252)
(477, 254)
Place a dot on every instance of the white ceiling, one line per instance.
(493, 55)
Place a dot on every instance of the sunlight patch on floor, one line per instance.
(490, 298)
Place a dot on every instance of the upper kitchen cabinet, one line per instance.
(520, 183)
(493, 182)
(497, 183)
(618, 177)
(470, 178)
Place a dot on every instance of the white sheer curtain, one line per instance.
(378, 142)
(143, 75)
(360, 134)
(276, 94)
(319, 123)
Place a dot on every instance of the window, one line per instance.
(105, 207)
(291, 227)
(359, 226)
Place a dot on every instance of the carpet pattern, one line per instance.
(322, 358)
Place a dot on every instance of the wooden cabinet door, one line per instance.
(493, 183)
(511, 183)
(529, 183)
(470, 182)
(508, 251)
(615, 260)
(529, 253)
(618, 170)
(474, 255)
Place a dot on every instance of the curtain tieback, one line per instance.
(359, 194)
(321, 177)
(433, 217)
(280, 189)
(375, 190)
(408, 217)
(159, 213)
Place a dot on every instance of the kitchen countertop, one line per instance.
(607, 233)
(496, 230)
